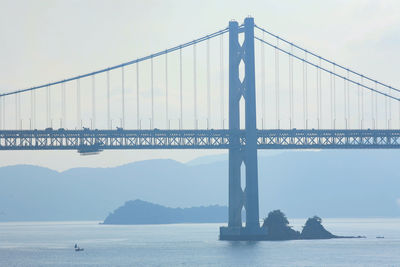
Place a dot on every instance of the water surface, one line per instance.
(51, 244)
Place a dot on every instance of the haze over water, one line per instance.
(51, 244)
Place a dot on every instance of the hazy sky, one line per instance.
(44, 41)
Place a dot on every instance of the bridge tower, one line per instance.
(247, 155)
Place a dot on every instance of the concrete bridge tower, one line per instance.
(247, 154)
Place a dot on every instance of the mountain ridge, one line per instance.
(303, 183)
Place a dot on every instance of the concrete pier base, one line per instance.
(242, 234)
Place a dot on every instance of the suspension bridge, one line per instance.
(202, 95)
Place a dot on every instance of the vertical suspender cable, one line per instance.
(208, 85)
(386, 112)
(345, 103)
(93, 102)
(31, 114)
(262, 83)
(137, 97)
(47, 107)
(152, 94)
(317, 89)
(19, 111)
(305, 99)
(63, 108)
(362, 104)
(348, 101)
(306, 90)
(334, 98)
(49, 113)
(318, 94)
(4, 113)
(372, 111)
(277, 83)
(16, 111)
(390, 109)
(32, 108)
(291, 87)
(180, 90)
(1, 112)
(78, 104)
(331, 98)
(221, 79)
(109, 126)
(304, 96)
(123, 96)
(195, 86)
(166, 92)
(376, 106)
(359, 104)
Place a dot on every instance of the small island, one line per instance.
(276, 226)
(143, 212)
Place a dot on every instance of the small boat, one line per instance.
(380, 237)
(77, 248)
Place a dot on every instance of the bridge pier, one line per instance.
(238, 155)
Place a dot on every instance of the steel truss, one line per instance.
(87, 140)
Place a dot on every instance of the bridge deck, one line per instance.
(97, 140)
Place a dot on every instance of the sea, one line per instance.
(52, 244)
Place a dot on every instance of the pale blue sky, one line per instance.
(43, 41)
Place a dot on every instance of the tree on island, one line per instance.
(313, 229)
(277, 227)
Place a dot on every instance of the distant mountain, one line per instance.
(142, 212)
(328, 183)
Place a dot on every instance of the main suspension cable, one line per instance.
(324, 59)
(328, 71)
(199, 40)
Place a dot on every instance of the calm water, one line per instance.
(51, 244)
